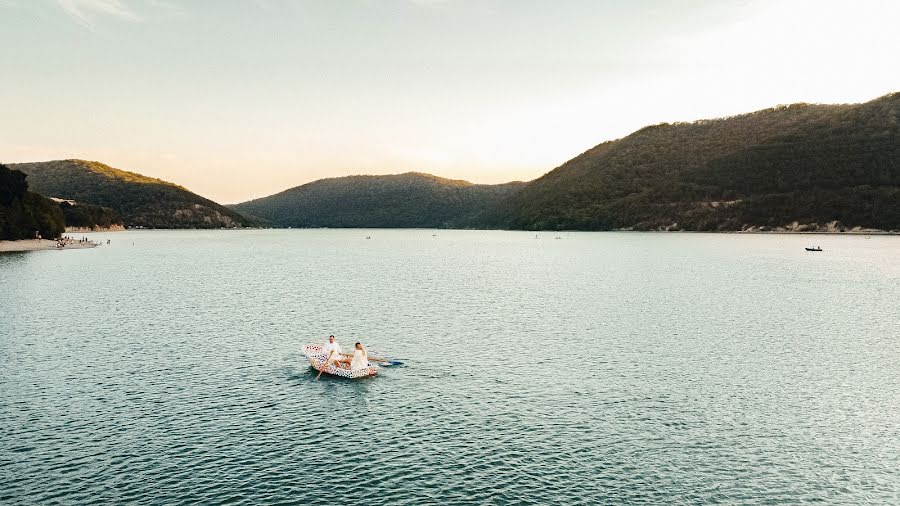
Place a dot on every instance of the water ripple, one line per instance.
(605, 368)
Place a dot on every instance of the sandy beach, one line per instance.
(40, 244)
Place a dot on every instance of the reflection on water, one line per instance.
(597, 368)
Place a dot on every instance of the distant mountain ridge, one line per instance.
(410, 200)
(798, 167)
(801, 167)
(141, 201)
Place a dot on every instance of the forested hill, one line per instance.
(798, 167)
(410, 200)
(809, 164)
(141, 201)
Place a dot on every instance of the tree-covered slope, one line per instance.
(141, 201)
(411, 200)
(24, 213)
(811, 164)
(90, 216)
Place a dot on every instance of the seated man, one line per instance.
(332, 351)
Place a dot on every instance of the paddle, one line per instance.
(385, 362)
(325, 364)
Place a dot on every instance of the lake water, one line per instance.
(595, 368)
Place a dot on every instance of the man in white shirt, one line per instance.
(332, 351)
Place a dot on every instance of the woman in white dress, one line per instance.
(360, 359)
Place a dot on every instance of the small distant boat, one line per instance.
(817, 248)
(316, 358)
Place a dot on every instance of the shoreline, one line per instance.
(41, 244)
(84, 230)
(549, 231)
(765, 232)
(747, 232)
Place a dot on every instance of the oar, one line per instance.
(325, 364)
(386, 362)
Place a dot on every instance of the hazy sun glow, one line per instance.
(237, 100)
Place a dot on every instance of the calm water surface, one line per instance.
(595, 368)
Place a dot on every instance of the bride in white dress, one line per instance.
(360, 359)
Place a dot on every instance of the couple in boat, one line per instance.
(334, 355)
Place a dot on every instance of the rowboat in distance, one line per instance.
(316, 358)
(817, 248)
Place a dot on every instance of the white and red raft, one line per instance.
(317, 358)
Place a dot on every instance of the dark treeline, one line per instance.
(89, 215)
(23, 213)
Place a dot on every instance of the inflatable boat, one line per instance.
(317, 357)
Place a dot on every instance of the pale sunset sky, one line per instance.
(242, 99)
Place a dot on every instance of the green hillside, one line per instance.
(411, 200)
(140, 200)
(798, 167)
(24, 213)
(810, 164)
